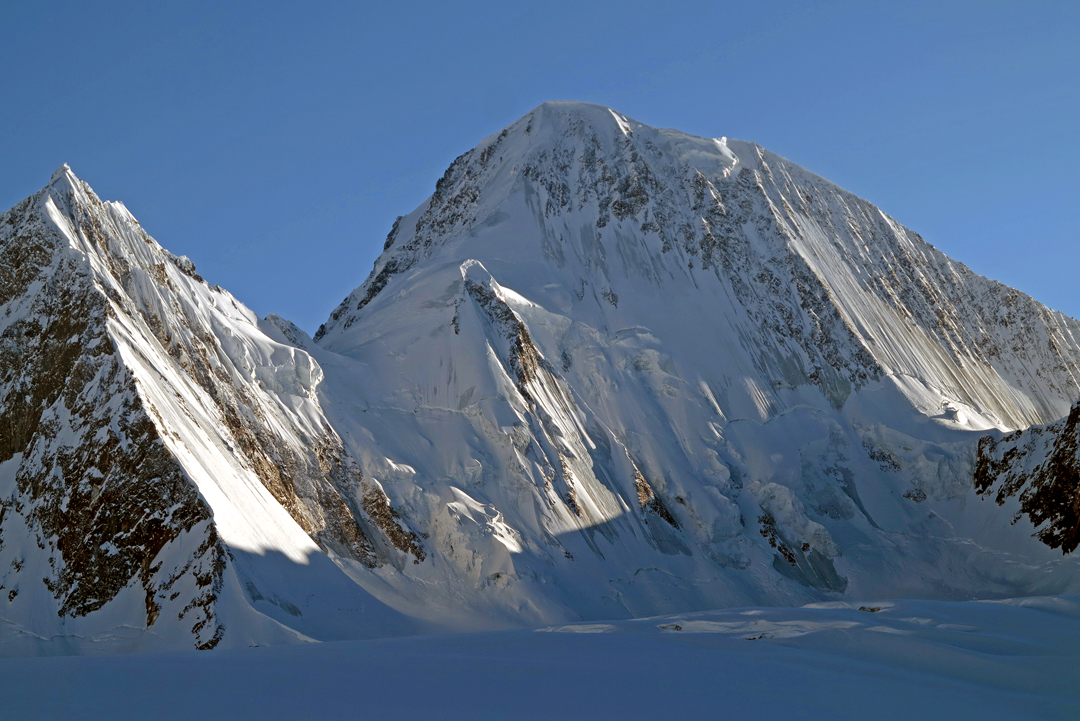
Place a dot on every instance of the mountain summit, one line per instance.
(604, 371)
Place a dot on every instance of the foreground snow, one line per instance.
(1017, 659)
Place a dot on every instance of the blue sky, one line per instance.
(275, 143)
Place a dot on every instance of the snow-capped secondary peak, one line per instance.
(160, 456)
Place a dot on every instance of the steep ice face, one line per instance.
(638, 358)
(159, 452)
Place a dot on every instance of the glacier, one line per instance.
(837, 661)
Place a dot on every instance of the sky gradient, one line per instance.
(275, 145)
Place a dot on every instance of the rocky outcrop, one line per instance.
(1038, 469)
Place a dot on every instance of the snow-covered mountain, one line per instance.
(606, 371)
(628, 369)
(165, 468)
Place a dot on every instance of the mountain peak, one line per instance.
(695, 345)
(579, 197)
(65, 181)
(571, 157)
(604, 128)
(60, 172)
(560, 112)
(159, 435)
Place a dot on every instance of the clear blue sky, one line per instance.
(274, 143)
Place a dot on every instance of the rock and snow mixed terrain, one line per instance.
(165, 465)
(605, 372)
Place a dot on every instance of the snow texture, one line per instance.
(933, 660)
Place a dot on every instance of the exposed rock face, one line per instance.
(1040, 469)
